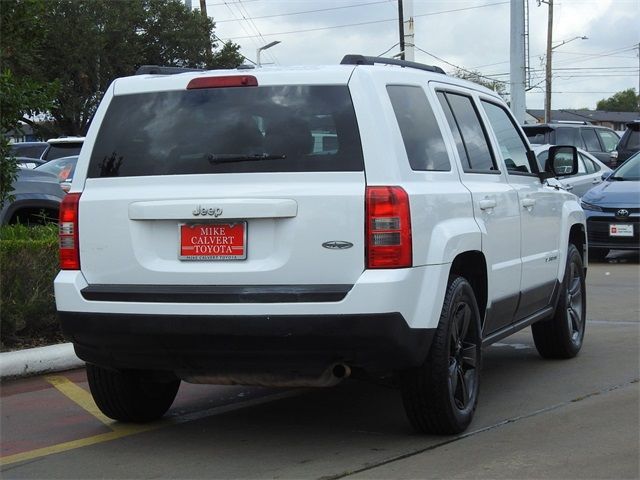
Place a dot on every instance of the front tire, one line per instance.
(562, 335)
(441, 395)
(130, 396)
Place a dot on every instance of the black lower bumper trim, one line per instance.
(380, 342)
(216, 293)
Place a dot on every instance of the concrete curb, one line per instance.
(34, 361)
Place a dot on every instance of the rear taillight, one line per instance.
(388, 228)
(68, 233)
(223, 82)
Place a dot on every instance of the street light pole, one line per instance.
(550, 49)
(264, 47)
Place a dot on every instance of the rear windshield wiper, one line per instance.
(241, 157)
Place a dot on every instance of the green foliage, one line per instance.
(477, 77)
(85, 44)
(18, 98)
(624, 101)
(28, 266)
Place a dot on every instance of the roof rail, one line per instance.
(571, 122)
(364, 60)
(158, 70)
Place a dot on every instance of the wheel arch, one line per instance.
(472, 265)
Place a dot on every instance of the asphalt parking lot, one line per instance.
(536, 418)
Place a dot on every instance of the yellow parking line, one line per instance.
(83, 399)
(119, 430)
(66, 446)
(79, 396)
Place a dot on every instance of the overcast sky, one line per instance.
(473, 34)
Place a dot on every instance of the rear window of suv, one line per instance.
(229, 130)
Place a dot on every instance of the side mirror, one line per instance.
(563, 160)
(606, 175)
(613, 155)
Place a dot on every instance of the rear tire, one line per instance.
(130, 396)
(561, 336)
(441, 395)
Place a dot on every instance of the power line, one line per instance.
(471, 72)
(224, 3)
(373, 21)
(308, 11)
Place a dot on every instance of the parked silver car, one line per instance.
(590, 170)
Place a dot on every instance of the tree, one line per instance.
(17, 99)
(624, 101)
(476, 77)
(20, 96)
(86, 44)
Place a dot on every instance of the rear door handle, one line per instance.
(487, 204)
(528, 202)
(596, 181)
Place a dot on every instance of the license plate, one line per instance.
(621, 230)
(213, 241)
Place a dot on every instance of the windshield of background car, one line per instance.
(295, 128)
(59, 150)
(629, 170)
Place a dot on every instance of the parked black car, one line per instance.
(630, 141)
(598, 141)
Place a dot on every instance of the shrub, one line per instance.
(28, 266)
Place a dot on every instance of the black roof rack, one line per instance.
(364, 60)
(158, 70)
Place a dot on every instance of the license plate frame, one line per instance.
(621, 230)
(218, 247)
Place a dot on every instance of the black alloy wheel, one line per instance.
(441, 395)
(562, 335)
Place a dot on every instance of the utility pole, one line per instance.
(409, 34)
(547, 96)
(203, 7)
(400, 27)
(517, 61)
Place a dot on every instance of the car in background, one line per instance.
(613, 211)
(36, 199)
(28, 149)
(63, 168)
(62, 147)
(28, 162)
(598, 141)
(590, 170)
(630, 141)
(49, 150)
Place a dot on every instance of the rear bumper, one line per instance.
(214, 344)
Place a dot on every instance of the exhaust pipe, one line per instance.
(331, 376)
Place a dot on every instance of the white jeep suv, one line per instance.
(294, 226)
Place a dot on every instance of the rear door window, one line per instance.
(420, 132)
(471, 139)
(228, 130)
